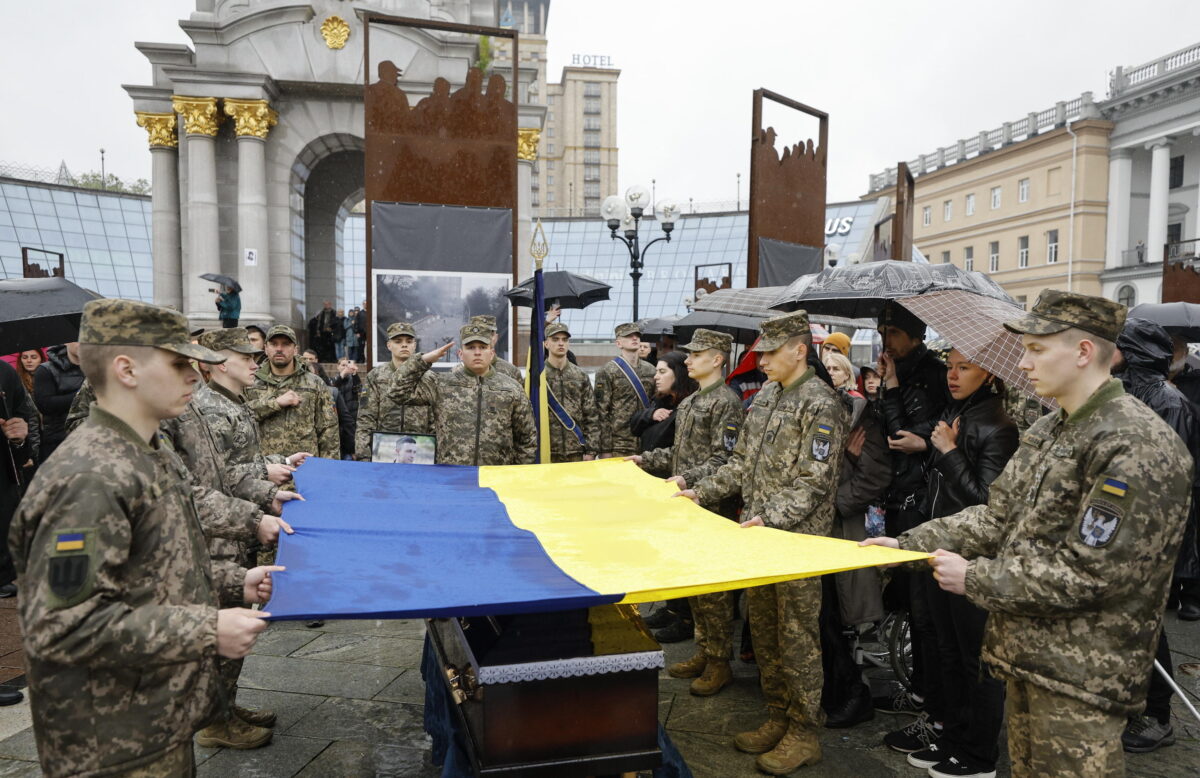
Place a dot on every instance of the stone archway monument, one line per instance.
(256, 133)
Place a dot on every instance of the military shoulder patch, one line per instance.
(1099, 524)
(730, 436)
(822, 444)
(69, 568)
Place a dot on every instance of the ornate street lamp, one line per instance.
(625, 213)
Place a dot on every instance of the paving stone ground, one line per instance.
(349, 699)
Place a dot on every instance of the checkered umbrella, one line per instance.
(756, 303)
(973, 324)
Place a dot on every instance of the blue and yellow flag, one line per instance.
(377, 540)
(535, 363)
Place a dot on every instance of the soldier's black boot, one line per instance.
(857, 708)
(10, 696)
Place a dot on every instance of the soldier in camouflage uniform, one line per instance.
(617, 399)
(1073, 553)
(294, 408)
(376, 412)
(118, 603)
(479, 416)
(573, 438)
(785, 466)
(501, 366)
(706, 431)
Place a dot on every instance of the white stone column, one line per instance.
(1160, 174)
(1120, 183)
(164, 207)
(203, 254)
(253, 120)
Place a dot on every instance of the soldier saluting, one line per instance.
(1073, 553)
(376, 412)
(479, 416)
(118, 598)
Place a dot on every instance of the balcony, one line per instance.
(1182, 250)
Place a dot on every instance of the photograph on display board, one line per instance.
(403, 448)
(437, 304)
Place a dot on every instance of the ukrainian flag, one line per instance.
(69, 542)
(376, 540)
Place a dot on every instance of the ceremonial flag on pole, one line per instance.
(535, 364)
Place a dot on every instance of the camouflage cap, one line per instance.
(475, 333)
(703, 339)
(284, 331)
(556, 328)
(232, 339)
(484, 320)
(396, 329)
(116, 322)
(630, 328)
(1056, 311)
(778, 330)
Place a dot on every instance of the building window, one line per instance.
(1051, 247)
(591, 140)
(994, 256)
(1175, 179)
(550, 150)
(549, 116)
(550, 197)
(970, 211)
(591, 172)
(969, 258)
(591, 122)
(591, 105)
(550, 181)
(947, 210)
(1127, 296)
(551, 100)
(591, 89)
(533, 184)
(1023, 251)
(549, 132)
(534, 201)
(945, 257)
(995, 197)
(591, 189)
(1023, 190)
(591, 157)
(926, 216)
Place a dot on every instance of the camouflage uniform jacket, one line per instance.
(377, 412)
(1073, 553)
(311, 426)
(573, 391)
(787, 457)
(616, 401)
(478, 420)
(235, 433)
(706, 432)
(80, 406)
(117, 602)
(506, 368)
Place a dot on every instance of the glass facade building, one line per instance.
(105, 236)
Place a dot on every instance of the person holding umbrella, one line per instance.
(229, 307)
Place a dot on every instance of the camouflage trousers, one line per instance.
(713, 618)
(1051, 734)
(784, 624)
(177, 762)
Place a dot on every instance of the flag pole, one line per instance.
(535, 374)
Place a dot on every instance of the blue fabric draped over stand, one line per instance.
(449, 741)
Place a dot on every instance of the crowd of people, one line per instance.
(1055, 548)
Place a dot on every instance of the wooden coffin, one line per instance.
(569, 693)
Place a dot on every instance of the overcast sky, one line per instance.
(897, 78)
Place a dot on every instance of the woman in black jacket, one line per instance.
(655, 424)
(55, 383)
(970, 443)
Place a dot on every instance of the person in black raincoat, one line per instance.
(1142, 362)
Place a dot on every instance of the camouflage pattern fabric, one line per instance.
(506, 368)
(1073, 553)
(311, 426)
(1021, 408)
(117, 609)
(712, 615)
(1052, 734)
(784, 623)
(81, 406)
(478, 420)
(786, 465)
(573, 391)
(616, 401)
(706, 431)
(377, 412)
(236, 434)
(1056, 311)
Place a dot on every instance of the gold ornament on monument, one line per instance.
(335, 31)
(160, 127)
(200, 115)
(527, 143)
(539, 247)
(252, 118)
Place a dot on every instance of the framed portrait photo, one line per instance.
(403, 448)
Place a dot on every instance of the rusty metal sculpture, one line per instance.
(787, 191)
(902, 223)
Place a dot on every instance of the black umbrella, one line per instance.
(223, 280)
(860, 291)
(653, 329)
(744, 329)
(569, 290)
(39, 312)
(1182, 319)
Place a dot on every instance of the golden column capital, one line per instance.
(160, 127)
(527, 143)
(252, 118)
(200, 114)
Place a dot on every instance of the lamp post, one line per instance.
(625, 213)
